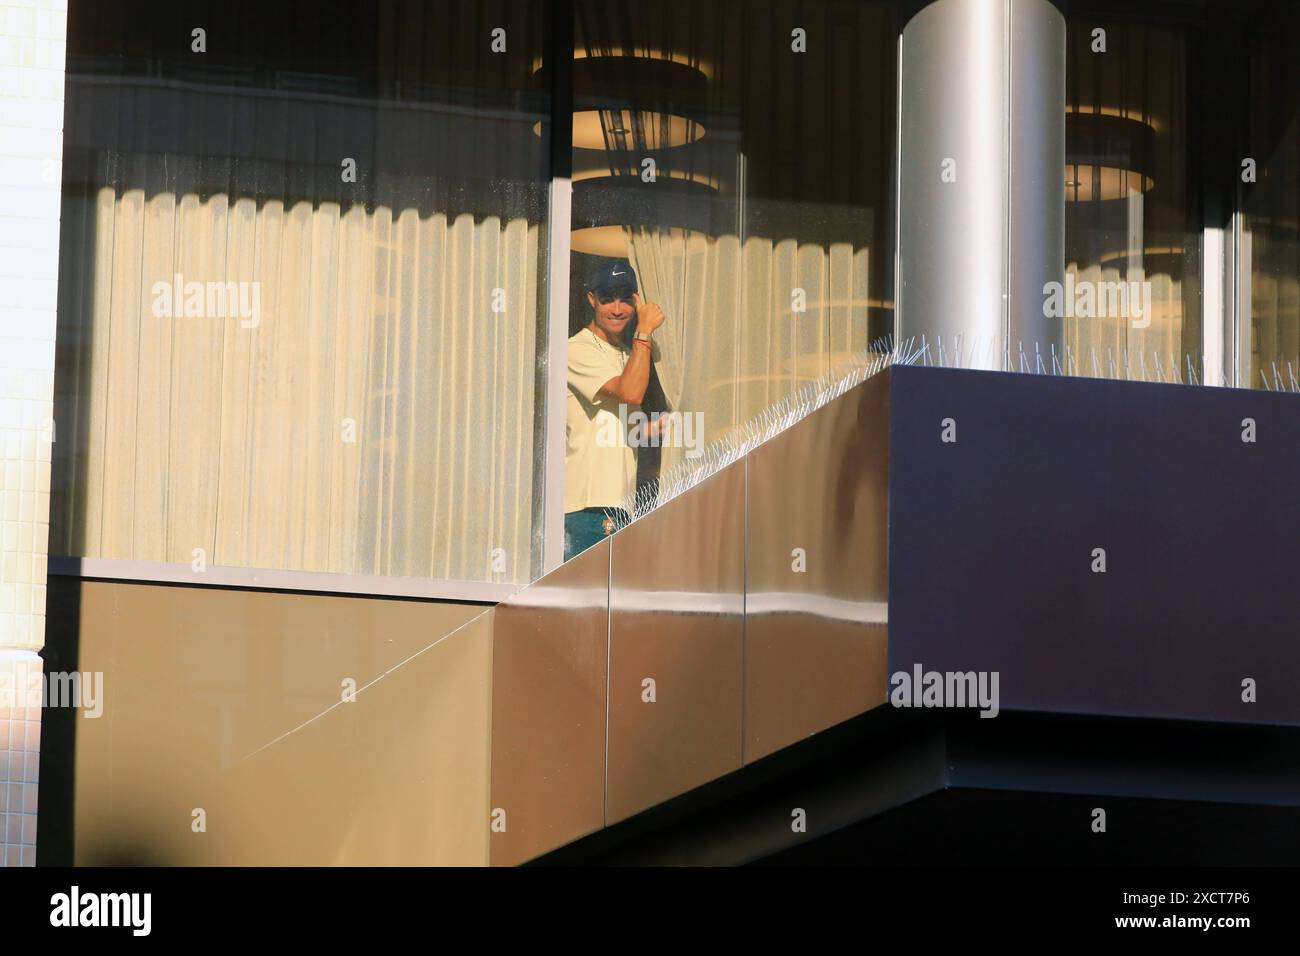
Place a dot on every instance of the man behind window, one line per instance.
(605, 372)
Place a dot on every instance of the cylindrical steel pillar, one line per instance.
(981, 177)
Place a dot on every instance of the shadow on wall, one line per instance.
(55, 832)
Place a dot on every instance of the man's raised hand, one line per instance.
(648, 315)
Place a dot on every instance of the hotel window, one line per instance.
(1133, 213)
(301, 300)
(739, 154)
(1269, 242)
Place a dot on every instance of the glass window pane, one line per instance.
(738, 156)
(1271, 204)
(1133, 215)
(301, 287)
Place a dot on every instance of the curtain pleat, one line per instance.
(776, 290)
(379, 419)
(736, 343)
(206, 435)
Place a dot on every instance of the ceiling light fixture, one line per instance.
(604, 207)
(1107, 157)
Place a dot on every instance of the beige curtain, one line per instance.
(378, 420)
(1275, 327)
(379, 417)
(1106, 338)
(748, 322)
(781, 269)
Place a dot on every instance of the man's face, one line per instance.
(613, 311)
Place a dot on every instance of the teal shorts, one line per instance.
(584, 528)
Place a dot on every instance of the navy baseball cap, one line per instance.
(614, 277)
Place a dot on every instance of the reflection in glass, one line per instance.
(1133, 209)
(1270, 250)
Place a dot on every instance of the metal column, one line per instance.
(981, 176)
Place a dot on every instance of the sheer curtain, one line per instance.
(782, 269)
(736, 342)
(1149, 235)
(377, 416)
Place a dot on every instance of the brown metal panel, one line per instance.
(397, 776)
(550, 649)
(815, 648)
(422, 758)
(676, 617)
(225, 701)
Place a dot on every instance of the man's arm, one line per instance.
(631, 385)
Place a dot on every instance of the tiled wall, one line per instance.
(32, 34)
(20, 752)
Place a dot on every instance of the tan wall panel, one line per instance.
(815, 640)
(424, 757)
(550, 649)
(97, 834)
(399, 777)
(802, 677)
(676, 615)
(293, 804)
(197, 680)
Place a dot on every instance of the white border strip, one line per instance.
(1214, 317)
(557, 372)
(704, 602)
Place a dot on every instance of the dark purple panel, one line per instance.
(991, 541)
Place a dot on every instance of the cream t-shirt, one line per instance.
(599, 465)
